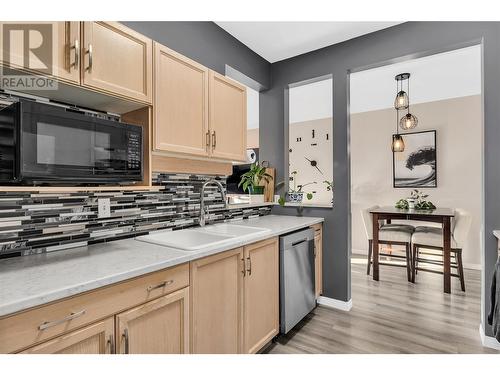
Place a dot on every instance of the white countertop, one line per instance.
(34, 280)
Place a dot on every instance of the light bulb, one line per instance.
(398, 144)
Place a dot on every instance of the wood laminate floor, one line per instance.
(393, 316)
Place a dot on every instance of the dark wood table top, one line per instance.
(393, 210)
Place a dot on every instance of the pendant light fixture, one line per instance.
(402, 101)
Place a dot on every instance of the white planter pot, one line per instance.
(411, 203)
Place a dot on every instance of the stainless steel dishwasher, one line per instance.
(297, 294)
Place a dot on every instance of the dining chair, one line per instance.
(431, 238)
(389, 234)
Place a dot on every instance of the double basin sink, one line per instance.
(202, 238)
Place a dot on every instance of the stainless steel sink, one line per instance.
(204, 237)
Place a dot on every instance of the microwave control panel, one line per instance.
(134, 151)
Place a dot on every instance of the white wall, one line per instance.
(458, 147)
(311, 108)
(311, 101)
(442, 76)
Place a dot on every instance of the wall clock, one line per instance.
(311, 158)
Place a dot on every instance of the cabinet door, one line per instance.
(157, 327)
(261, 307)
(318, 261)
(228, 118)
(180, 103)
(217, 303)
(96, 338)
(64, 47)
(118, 60)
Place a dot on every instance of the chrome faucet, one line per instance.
(202, 198)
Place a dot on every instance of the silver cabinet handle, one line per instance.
(77, 53)
(90, 52)
(249, 269)
(125, 341)
(71, 316)
(160, 285)
(214, 139)
(207, 139)
(243, 271)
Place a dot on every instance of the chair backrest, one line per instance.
(368, 221)
(463, 220)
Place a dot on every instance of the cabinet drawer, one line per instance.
(40, 324)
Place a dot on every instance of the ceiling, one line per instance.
(441, 76)
(276, 41)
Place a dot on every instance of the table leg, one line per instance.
(375, 246)
(447, 250)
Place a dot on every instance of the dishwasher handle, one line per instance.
(300, 241)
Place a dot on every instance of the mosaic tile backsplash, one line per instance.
(33, 223)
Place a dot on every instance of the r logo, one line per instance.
(28, 46)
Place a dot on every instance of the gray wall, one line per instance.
(392, 43)
(208, 44)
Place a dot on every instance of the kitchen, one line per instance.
(155, 198)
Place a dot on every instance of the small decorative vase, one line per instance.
(295, 197)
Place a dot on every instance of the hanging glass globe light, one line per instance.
(408, 122)
(398, 144)
(401, 101)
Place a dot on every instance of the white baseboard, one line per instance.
(467, 266)
(335, 303)
(488, 341)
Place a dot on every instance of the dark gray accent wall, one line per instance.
(208, 44)
(398, 42)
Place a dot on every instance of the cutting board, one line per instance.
(269, 186)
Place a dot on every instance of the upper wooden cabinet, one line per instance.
(157, 327)
(96, 338)
(180, 103)
(118, 60)
(228, 118)
(197, 112)
(217, 303)
(64, 47)
(261, 306)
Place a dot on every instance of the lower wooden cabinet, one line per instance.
(157, 327)
(96, 338)
(261, 306)
(217, 303)
(235, 299)
(318, 259)
(224, 303)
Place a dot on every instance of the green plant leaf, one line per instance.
(281, 201)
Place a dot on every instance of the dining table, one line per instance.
(437, 215)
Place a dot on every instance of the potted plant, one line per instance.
(251, 182)
(417, 201)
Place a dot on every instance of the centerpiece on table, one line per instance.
(416, 200)
(251, 182)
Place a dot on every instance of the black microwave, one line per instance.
(45, 144)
